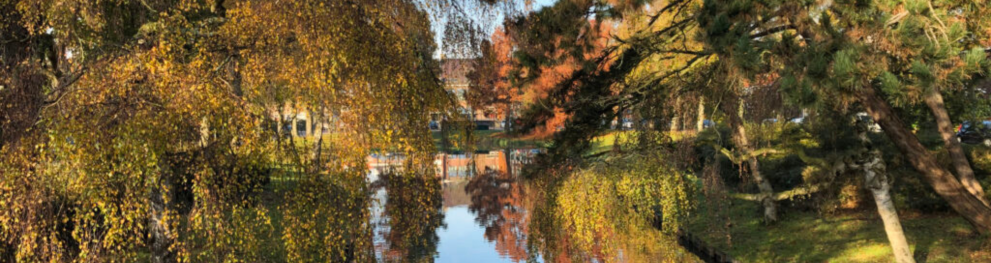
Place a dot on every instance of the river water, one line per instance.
(478, 210)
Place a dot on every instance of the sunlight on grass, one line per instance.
(847, 237)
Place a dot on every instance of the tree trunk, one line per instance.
(159, 232)
(876, 180)
(318, 119)
(508, 153)
(767, 192)
(935, 102)
(675, 121)
(744, 148)
(507, 127)
(948, 187)
(278, 124)
(616, 148)
(700, 123)
(204, 132)
(292, 125)
(162, 199)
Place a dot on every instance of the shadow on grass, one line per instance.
(851, 237)
(921, 254)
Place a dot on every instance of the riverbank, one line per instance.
(488, 140)
(847, 236)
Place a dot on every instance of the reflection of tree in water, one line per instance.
(411, 217)
(325, 220)
(589, 214)
(547, 235)
(498, 201)
(597, 214)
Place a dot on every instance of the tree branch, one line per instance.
(785, 195)
(774, 30)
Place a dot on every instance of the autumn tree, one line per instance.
(545, 60)
(490, 80)
(137, 127)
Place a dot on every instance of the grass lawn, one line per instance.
(847, 237)
(605, 142)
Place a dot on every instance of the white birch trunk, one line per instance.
(876, 180)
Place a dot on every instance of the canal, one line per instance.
(479, 210)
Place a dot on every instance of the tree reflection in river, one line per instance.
(602, 214)
(590, 224)
(411, 217)
(544, 225)
(498, 202)
(592, 214)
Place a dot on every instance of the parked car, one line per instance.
(974, 134)
(707, 123)
(627, 124)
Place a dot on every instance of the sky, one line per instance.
(437, 26)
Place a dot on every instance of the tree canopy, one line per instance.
(878, 57)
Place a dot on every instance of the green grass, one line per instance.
(607, 141)
(846, 237)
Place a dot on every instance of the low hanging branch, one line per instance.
(738, 159)
(784, 195)
(839, 167)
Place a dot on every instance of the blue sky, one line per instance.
(542, 3)
(438, 26)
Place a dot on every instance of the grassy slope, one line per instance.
(847, 237)
(606, 141)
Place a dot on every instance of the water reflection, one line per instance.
(408, 218)
(497, 200)
(463, 166)
(474, 209)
